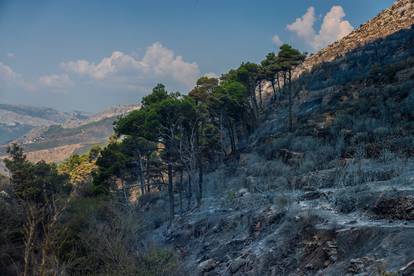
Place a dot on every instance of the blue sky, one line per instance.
(90, 54)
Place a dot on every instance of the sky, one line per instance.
(88, 54)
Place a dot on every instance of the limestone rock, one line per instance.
(207, 265)
(237, 264)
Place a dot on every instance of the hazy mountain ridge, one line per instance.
(18, 120)
(107, 113)
(45, 113)
(55, 134)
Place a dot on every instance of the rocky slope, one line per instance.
(399, 16)
(334, 197)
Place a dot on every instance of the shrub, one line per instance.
(158, 262)
(276, 144)
(304, 144)
(148, 198)
(11, 238)
(308, 164)
(407, 105)
(101, 238)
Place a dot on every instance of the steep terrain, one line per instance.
(391, 20)
(333, 197)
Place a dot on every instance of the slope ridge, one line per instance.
(399, 16)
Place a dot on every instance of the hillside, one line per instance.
(53, 136)
(17, 120)
(297, 165)
(333, 197)
(391, 20)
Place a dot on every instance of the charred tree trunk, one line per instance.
(200, 183)
(29, 233)
(274, 90)
(231, 133)
(223, 146)
(141, 174)
(180, 190)
(200, 169)
(260, 95)
(255, 106)
(189, 190)
(148, 174)
(290, 100)
(278, 84)
(170, 183)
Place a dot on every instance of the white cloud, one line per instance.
(158, 64)
(9, 78)
(81, 67)
(333, 27)
(55, 81)
(277, 41)
(6, 73)
(11, 55)
(303, 26)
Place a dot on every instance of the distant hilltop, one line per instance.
(399, 16)
(51, 135)
(107, 113)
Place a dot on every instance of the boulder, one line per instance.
(291, 157)
(407, 269)
(242, 192)
(237, 264)
(401, 207)
(207, 265)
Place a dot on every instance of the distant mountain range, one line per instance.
(51, 135)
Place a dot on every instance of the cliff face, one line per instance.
(398, 17)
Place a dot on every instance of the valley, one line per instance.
(47, 134)
(298, 165)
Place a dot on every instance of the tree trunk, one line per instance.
(260, 95)
(30, 229)
(278, 84)
(290, 100)
(200, 169)
(141, 174)
(170, 184)
(124, 191)
(45, 251)
(231, 136)
(180, 191)
(254, 100)
(274, 90)
(147, 165)
(189, 190)
(223, 147)
(200, 183)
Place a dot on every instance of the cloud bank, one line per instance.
(158, 64)
(6, 73)
(55, 81)
(114, 73)
(333, 27)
